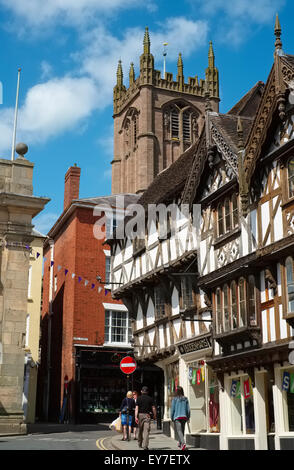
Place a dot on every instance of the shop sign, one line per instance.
(195, 345)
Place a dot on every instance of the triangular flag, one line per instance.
(27, 247)
(45, 259)
(59, 267)
(86, 283)
(99, 290)
(203, 374)
(93, 285)
(38, 254)
(65, 271)
(106, 291)
(198, 376)
(80, 278)
(194, 377)
(73, 275)
(52, 263)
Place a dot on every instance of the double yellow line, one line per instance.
(100, 445)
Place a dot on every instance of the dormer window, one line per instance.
(227, 215)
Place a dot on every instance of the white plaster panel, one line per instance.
(150, 318)
(278, 223)
(165, 252)
(175, 302)
(262, 287)
(264, 326)
(265, 220)
(140, 322)
(283, 323)
(161, 337)
(272, 324)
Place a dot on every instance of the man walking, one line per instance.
(145, 409)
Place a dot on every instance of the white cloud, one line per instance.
(46, 70)
(40, 12)
(59, 104)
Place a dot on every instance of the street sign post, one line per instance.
(128, 366)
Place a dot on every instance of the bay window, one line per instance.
(290, 285)
(235, 305)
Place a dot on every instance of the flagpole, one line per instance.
(15, 116)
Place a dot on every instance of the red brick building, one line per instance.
(84, 332)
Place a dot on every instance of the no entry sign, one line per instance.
(128, 365)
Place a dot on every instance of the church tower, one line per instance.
(156, 118)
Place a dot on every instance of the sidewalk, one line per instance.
(157, 441)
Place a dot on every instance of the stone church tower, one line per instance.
(156, 119)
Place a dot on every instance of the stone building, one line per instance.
(18, 206)
(156, 119)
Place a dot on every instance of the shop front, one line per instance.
(284, 406)
(101, 385)
(189, 369)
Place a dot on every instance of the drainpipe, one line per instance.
(50, 313)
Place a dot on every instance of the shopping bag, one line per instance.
(116, 425)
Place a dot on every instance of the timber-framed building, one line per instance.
(212, 302)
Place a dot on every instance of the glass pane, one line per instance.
(288, 398)
(214, 419)
(175, 123)
(186, 126)
(234, 309)
(242, 303)
(290, 284)
(187, 295)
(236, 410)
(227, 215)
(218, 312)
(251, 294)
(220, 220)
(290, 176)
(235, 211)
(226, 309)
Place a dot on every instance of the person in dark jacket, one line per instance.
(127, 411)
(180, 414)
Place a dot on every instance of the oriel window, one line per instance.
(290, 284)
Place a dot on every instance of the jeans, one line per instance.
(180, 428)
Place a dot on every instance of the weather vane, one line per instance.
(165, 44)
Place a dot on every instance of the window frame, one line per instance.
(290, 178)
(127, 327)
(227, 218)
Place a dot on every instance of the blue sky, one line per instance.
(68, 51)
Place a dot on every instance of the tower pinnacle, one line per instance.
(146, 42)
(119, 75)
(278, 32)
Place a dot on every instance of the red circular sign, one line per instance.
(128, 365)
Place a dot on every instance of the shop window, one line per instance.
(288, 398)
(187, 292)
(117, 327)
(213, 403)
(291, 176)
(159, 302)
(227, 215)
(290, 284)
(172, 377)
(242, 407)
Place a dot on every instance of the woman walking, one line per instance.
(127, 411)
(134, 424)
(180, 414)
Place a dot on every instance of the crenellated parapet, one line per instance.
(149, 76)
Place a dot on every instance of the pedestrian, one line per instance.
(145, 410)
(180, 414)
(134, 424)
(127, 411)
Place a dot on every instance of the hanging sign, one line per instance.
(203, 374)
(190, 373)
(194, 377)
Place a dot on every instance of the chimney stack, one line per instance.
(71, 185)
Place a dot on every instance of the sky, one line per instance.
(68, 51)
